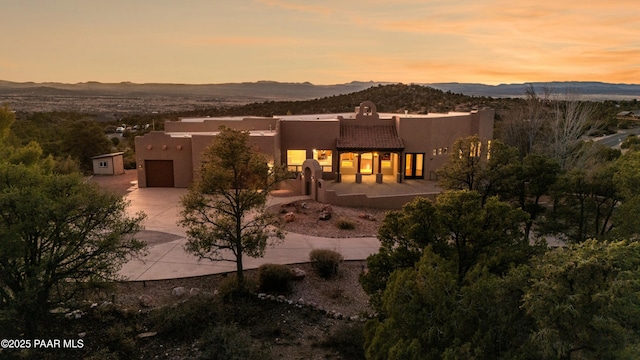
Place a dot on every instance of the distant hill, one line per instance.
(271, 90)
(130, 98)
(265, 90)
(588, 90)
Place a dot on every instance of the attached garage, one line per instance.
(159, 173)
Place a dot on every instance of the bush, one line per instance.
(187, 319)
(325, 262)
(348, 340)
(345, 224)
(228, 342)
(274, 278)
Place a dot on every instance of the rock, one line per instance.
(366, 216)
(301, 301)
(281, 298)
(94, 305)
(262, 296)
(58, 310)
(298, 274)
(194, 291)
(146, 301)
(178, 291)
(289, 217)
(326, 208)
(82, 334)
(146, 334)
(324, 216)
(75, 314)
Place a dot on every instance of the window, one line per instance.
(414, 163)
(325, 158)
(385, 160)
(103, 164)
(346, 160)
(295, 158)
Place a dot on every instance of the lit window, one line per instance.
(325, 158)
(295, 158)
(435, 152)
(346, 160)
(488, 149)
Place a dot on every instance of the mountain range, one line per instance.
(271, 90)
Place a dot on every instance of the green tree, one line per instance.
(458, 227)
(83, 140)
(224, 210)
(597, 202)
(403, 235)
(586, 301)
(488, 168)
(490, 233)
(428, 314)
(57, 232)
(538, 175)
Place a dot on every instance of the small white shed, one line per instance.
(108, 164)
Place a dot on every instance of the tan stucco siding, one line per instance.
(157, 145)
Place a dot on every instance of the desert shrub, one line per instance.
(229, 289)
(227, 342)
(186, 319)
(325, 262)
(348, 340)
(274, 278)
(345, 224)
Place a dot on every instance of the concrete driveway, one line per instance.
(166, 258)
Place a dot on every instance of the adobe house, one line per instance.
(348, 147)
(108, 164)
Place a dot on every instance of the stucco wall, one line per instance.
(156, 145)
(97, 170)
(308, 135)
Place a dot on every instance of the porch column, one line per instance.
(379, 174)
(400, 174)
(358, 174)
(338, 175)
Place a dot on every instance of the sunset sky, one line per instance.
(323, 42)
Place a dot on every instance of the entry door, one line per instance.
(414, 165)
(159, 173)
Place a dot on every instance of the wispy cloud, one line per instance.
(300, 6)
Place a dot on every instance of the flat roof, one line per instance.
(325, 117)
(252, 133)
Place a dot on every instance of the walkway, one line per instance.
(166, 258)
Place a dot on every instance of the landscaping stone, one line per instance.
(178, 291)
(298, 274)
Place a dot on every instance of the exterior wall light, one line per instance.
(164, 147)
(179, 147)
(149, 147)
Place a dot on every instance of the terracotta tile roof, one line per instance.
(376, 137)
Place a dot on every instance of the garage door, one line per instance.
(159, 173)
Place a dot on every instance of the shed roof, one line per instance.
(107, 155)
(377, 137)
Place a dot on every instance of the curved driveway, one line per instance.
(166, 258)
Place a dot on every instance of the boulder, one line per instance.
(298, 274)
(289, 217)
(178, 291)
(324, 216)
(146, 301)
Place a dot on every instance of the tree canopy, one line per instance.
(57, 232)
(224, 210)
